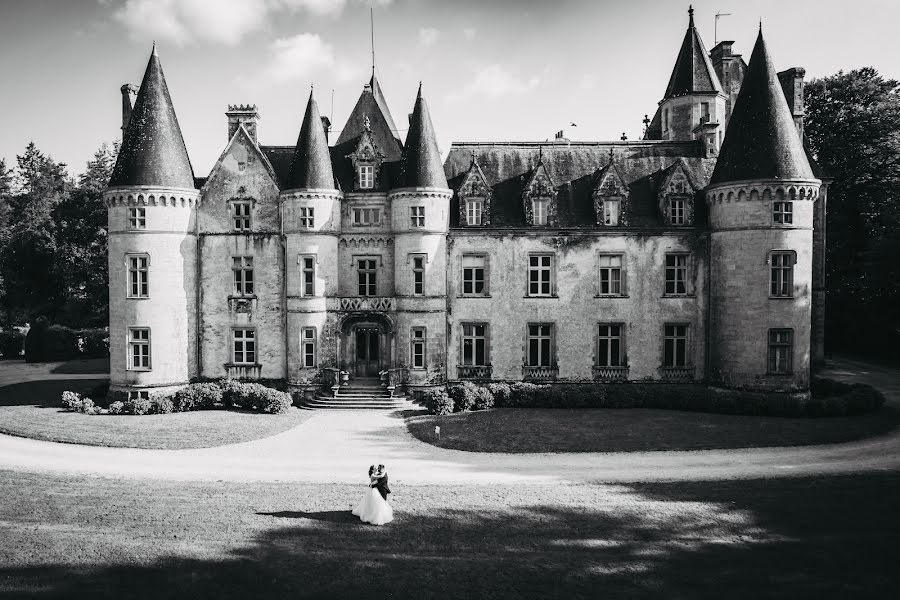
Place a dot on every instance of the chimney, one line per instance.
(326, 125)
(127, 90)
(242, 114)
(792, 84)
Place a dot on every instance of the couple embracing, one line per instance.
(374, 508)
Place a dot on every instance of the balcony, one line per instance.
(248, 371)
(373, 303)
(474, 372)
(540, 373)
(685, 373)
(610, 373)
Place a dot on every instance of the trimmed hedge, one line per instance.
(11, 344)
(197, 396)
(45, 343)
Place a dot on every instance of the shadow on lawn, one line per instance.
(45, 393)
(88, 366)
(786, 538)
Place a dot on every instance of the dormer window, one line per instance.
(474, 210)
(612, 208)
(676, 212)
(240, 215)
(366, 177)
(610, 197)
(539, 211)
(676, 196)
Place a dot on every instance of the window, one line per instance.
(675, 346)
(474, 208)
(782, 281)
(473, 270)
(308, 346)
(539, 211)
(138, 395)
(417, 216)
(418, 275)
(676, 274)
(610, 345)
(417, 350)
(704, 112)
(244, 346)
(137, 218)
(138, 349)
(242, 269)
(240, 215)
(781, 350)
(366, 177)
(783, 213)
(611, 210)
(366, 216)
(611, 275)
(540, 275)
(308, 275)
(676, 211)
(366, 276)
(307, 214)
(138, 272)
(666, 119)
(540, 345)
(474, 344)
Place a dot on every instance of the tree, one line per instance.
(853, 129)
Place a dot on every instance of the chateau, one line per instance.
(694, 254)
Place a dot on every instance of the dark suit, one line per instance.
(381, 484)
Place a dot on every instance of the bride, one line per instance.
(372, 508)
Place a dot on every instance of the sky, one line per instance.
(491, 70)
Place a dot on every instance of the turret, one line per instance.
(761, 198)
(693, 107)
(152, 203)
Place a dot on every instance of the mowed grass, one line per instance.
(524, 430)
(32, 409)
(829, 537)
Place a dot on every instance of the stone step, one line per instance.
(374, 404)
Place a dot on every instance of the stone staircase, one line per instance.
(360, 395)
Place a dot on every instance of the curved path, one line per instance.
(338, 446)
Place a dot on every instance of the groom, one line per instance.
(381, 483)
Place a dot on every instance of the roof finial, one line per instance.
(540, 154)
(153, 52)
(760, 24)
(690, 15)
(610, 154)
(473, 156)
(419, 95)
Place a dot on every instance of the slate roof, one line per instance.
(311, 164)
(573, 167)
(153, 150)
(421, 165)
(761, 141)
(693, 71)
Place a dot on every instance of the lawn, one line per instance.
(32, 409)
(829, 537)
(524, 430)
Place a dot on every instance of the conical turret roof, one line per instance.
(693, 71)
(153, 150)
(311, 167)
(421, 159)
(761, 141)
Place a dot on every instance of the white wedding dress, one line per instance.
(374, 509)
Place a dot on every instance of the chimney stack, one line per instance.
(792, 83)
(326, 125)
(242, 114)
(127, 90)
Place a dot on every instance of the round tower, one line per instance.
(311, 222)
(420, 219)
(761, 197)
(152, 202)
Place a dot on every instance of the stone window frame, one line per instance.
(544, 202)
(417, 217)
(307, 341)
(539, 268)
(244, 340)
(785, 216)
(304, 270)
(623, 290)
(688, 269)
(418, 346)
(622, 354)
(135, 280)
(485, 275)
(473, 337)
(365, 176)
(357, 213)
(411, 259)
(371, 280)
(478, 202)
(137, 218)
(306, 217)
(773, 344)
(133, 343)
(241, 212)
(539, 336)
(781, 274)
(242, 285)
(674, 336)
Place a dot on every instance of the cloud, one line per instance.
(469, 33)
(494, 81)
(300, 57)
(428, 36)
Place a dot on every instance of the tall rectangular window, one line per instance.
(138, 349)
(540, 275)
(137, 217)
(366, 216)
(366, 177)
(366, 273)
(473, 275)
(782, 274)
(676, 211)
(474, 344)
(781, 350)
(611, 210)
(138, 275)
(417, 350)
(676, 274)
(308, 275)
(540, 345)
(418, 272)
(240, 215)
(244, 346)
(417, 216)
(704, 112)
(242, 270)
(307, 217)
(611, 275)
(783, 213)
(539, 211)
(610, 345)
(308, 346)
(474, 208)
(675, 345)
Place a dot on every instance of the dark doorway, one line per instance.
(368, 356)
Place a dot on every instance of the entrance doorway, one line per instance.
(368, 351)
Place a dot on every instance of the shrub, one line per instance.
(160, 404)
(484, 399)
(71, 400)
(232, 390)
(36, 340)
(524, 394)
(11, 344)
(275, 402)
(117, 408)
(93, 343)
(501, 393)
(463, 396)
(197, 396)
(438, 402)
(46, 342)
(254, 396)
(138, 406)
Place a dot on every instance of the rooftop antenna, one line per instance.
(372, 30)
(331, 116)
(716, 27)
